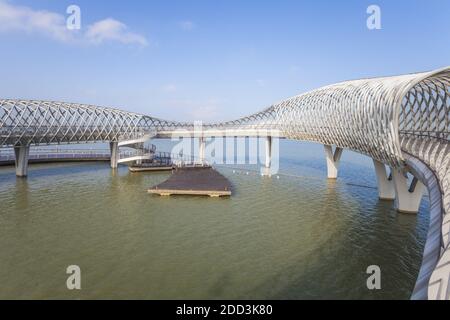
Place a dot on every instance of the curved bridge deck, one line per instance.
(428, 159)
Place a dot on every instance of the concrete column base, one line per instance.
(201, 149)
(386, 188)
(266, 170)
(333, 159)
(114, 147)
(22, 153)
(408, 197)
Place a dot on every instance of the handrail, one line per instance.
(55, 153)
(440, 135)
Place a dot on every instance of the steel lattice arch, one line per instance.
(367, 116)
(31, 122)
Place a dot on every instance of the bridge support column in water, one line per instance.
(268, 152)
(333, 159)
(114, 147)
(386, 189)
(407, 196)
(22, 153)
(266, 171)
(201, 148)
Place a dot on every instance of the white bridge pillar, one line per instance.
(333, 159)
(22, 153)
(266, 171)
(268, 158)
(201, 149)
(407, 198)
(386, 189)
(114, 147)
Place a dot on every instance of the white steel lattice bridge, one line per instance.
(402, 122)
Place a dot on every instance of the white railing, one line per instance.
(145, 151)
(56, 153)
(179, 160)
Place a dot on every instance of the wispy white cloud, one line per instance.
(14, 18)
(24, 19)
(113, 30)
(187, 25)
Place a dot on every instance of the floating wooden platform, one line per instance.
(149, 168)
(198, 181)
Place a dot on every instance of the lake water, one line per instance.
(292, 236)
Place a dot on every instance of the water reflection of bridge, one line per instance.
(401, 122)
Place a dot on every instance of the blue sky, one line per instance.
(210, 60)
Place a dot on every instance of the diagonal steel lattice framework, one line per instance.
(366, 115)
(24, 122)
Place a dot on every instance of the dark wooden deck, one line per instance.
(155, 167)
(194, 181)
